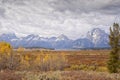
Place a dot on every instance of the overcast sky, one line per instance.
(48, 18)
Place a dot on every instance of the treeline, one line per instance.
(96, 48)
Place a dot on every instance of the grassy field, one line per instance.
(96, 58)
(78, 65)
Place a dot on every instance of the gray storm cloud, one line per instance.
(54, 17)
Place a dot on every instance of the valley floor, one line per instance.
(80, 65)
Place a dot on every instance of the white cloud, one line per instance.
(54, 17)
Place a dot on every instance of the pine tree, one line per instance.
(114, 39)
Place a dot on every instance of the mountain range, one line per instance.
(96, 38)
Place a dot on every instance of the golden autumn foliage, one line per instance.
(8, 60)
(20, 49)
(44, 62)
(47, 60)
(37, 60)
(51, 62)
(24, 62)
(27, 58)
(5, 48)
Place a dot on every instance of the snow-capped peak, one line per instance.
(31, 37)
(62, 37)
(95, 33)
(98, 36)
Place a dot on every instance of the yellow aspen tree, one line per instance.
(5, 48)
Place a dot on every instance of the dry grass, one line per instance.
(76, 57)
(88, 75)
(95, 58)
(58, 75)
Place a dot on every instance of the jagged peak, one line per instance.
(62, 37)
(96, 31)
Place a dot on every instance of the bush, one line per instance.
(83, 67)
(102, 69)
(9, 62)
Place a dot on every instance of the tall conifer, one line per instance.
(114, 39)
